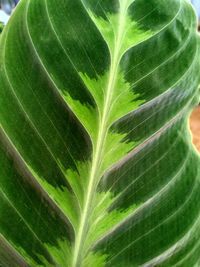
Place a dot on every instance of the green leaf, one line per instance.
(97, 166)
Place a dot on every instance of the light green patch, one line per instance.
(61, 253)
(132, 34)
(45, 263)
(110, 29)
(115, 149)
(95, 260)
(104, 221)
(64, 199)
(96, 87)
(87, 115)
(124, 99)
(79, 181)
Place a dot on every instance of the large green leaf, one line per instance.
(97, 167)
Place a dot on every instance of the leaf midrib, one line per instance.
(102, 134)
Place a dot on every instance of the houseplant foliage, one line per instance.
(96, 159)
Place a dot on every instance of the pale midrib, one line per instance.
(102, 133)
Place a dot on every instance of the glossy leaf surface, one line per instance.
(97, 167)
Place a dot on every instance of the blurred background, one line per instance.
(6, 8)
(196, 4)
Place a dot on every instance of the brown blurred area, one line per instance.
(195, 127)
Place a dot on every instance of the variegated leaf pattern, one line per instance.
(97, 167)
